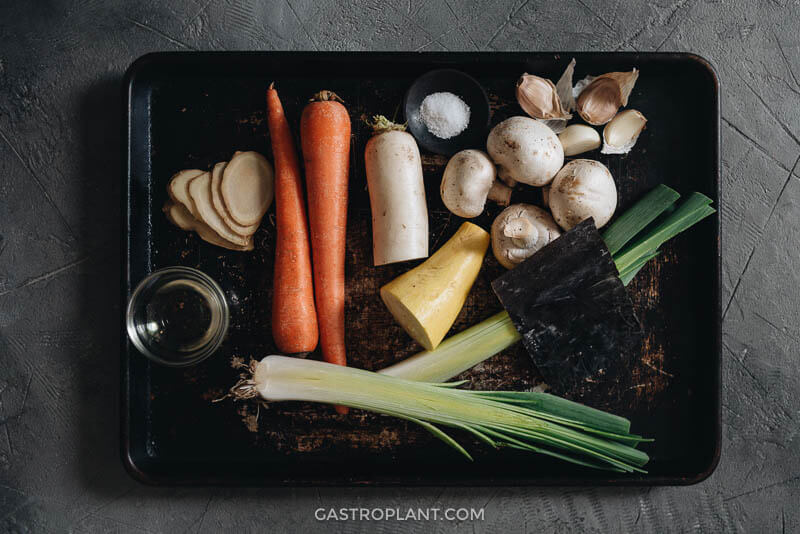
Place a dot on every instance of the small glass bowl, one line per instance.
(177, 316)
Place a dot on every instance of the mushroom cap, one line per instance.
(525, 150)
(466, 182)
(510, 245)
(583, 188)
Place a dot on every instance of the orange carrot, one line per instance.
(325, 140)
(294, 317)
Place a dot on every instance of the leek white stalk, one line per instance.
(526, 421)
(458, 353)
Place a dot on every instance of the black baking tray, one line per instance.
(186, 110)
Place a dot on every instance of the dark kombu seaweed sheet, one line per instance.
(575, 316)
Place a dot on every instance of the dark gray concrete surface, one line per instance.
(60, 67)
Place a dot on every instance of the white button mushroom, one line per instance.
(469, 179)
(583, 188)
(519, 231)
(525, 150)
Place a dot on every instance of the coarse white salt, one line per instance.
(444, 114)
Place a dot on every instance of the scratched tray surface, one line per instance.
(193, 110)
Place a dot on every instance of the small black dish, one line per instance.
(462, 85)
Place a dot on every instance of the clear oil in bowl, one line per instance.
(177, 316)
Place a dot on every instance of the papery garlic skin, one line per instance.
(564, 88)
(579, 138)
(566, 97)
(602, 97)
(580, 86)
(557, 125)
(621, 134)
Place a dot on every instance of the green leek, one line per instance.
(627, 274)
(695, 209)
(537, 423)
(638, 216)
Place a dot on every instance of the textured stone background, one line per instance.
(60, 68)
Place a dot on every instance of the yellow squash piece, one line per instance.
(427, 299)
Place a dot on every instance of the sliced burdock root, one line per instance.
(178, 188)
(178, 215)
(210, 236)
(219, 205)
(200, 193)
(575, 316)
(247, 187)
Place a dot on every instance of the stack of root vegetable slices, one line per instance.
(224, 205)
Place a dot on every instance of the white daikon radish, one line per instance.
(396, 194)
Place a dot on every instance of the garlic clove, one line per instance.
(620, 135)
(602, 97)
(538, 97)
(548, 103)
(579, 138)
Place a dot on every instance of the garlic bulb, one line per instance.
(621, 133)
(599, 101)
(579, 138)
(538, 97)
